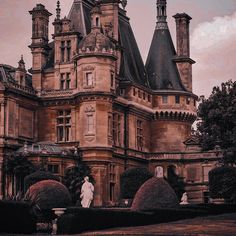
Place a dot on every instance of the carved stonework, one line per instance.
(161, 25)
(89, 109)
(89, 68)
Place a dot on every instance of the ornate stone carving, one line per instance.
(89, 108)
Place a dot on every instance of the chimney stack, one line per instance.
(182, 34)
(183, 60)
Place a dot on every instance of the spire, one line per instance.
(161, 15)
(58, 10)
(162, 70)
(21, 63)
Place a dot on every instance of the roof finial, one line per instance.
(161, 14)
(58, 10)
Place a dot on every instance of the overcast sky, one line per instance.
(213, 33)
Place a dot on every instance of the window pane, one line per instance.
(89, 79)
(90, 124)
(164, 99)
(60, 133)
(177, 99)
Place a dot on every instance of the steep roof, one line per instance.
(162, 70)
(7, 75)
(132, 66)
(80, 15)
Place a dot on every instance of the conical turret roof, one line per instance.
(162, 71)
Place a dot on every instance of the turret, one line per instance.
(39, 46)
(183, 60)
(174, 104)
(20, 74)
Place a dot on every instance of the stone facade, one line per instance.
(89, 89)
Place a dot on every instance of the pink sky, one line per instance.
(213, 33)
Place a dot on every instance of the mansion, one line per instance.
(89, 91)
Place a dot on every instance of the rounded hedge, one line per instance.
(38, 176)
(222, 183)
(131, 181)
(154, 194)
(48, 194)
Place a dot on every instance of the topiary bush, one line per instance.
(131, 181)
(46, 195)
(154, 194)
(17, 217)
(222, 183)
(38, 176)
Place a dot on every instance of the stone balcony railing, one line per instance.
(21, 88)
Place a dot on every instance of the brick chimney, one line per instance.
(183, 60)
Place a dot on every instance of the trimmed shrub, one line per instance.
(154, 194)
(16, 217)
(131, 181)
(48, 194)
(77, 220)
(222, 183)
(38, 176)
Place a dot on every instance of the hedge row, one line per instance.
(16, 217)
(77, 220)
(212, 209)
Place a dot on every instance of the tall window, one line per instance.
(116, 133)
(112, 80)
(62, 51)
(89, 79)
(65, 81)
(68, 50)
(164, 99)
(62, 81)
(90, 124)
(112, 178)
(177, 99)
(63, 125)
(140, 135)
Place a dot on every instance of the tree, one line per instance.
(132, 180)
(222, 183)
(18, 166)
(217, 126)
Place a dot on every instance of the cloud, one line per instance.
(214, 49)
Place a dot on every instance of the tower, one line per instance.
(96, 67)
(173, 102)
(39, 46)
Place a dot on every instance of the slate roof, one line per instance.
(7, 75)
(132, 66)
(80, 16)
(162, 71)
